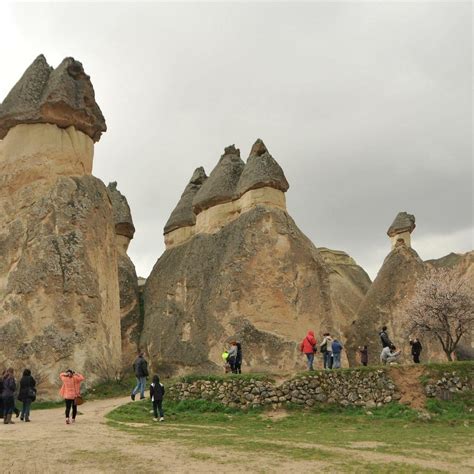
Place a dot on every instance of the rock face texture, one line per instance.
(63, 96)
(394, 286)
(131, 320)
(246, 272)
(59, 297)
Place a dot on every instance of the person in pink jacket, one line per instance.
(70, 390)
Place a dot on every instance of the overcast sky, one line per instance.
(366, 106)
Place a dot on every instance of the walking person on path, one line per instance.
(27, 394)
(70, 391)
(308, 347)
(386, 342)
(336, 354)
(140, 367)
(326, 350)
(416, 349)
(157, 393)
(9, 387)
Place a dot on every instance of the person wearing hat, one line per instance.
(70, 391)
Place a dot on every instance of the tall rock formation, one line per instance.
(236, 266)
(131, 320)
(386, 301)
(59, 297)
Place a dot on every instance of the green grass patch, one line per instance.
(461, 407)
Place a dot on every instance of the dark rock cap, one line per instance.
(221, 186)
(261, 170)
(404, 222)
(63, 96)
(183, 215)
(122, 215)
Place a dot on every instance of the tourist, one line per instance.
(157, 392)
(232, 358)
(27, 394)
(386, 342)
(238, 360)
(71, 391)
(416, 349)
(364, 355)
(336, 354)
(326, 350)
(308, 347)
(140, 368)
(225, 356)
(8, 395)
(389, 355)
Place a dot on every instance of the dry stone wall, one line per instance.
(346, 388)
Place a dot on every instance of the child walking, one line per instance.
(157, 392)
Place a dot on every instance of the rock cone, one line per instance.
(221, 186)
(183, 215)
(63, 96)
(254, 277)
(261, 170)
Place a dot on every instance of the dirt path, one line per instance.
(48, 445)
(407, 380)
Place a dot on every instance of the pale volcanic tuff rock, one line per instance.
(59, 296)
(221, 186)
(131, 320)
(63, 96)
(255, 277)
(183, 215)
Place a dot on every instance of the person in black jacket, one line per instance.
(157, 393)
(238, 359)
(9, 387)
(416, 349)
(140, 367)
(386, 342)
(27, 394)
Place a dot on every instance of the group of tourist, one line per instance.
(331, 349)
(26, 395)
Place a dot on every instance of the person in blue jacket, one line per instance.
(336, 354)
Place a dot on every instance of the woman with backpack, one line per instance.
(27, 394)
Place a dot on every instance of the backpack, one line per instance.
(324, 347)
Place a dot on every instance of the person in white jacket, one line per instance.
(326, 350)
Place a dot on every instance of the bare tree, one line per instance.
(442, 308)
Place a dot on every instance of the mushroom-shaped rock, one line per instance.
(183, 215)
(122, 215)
(261, 171)
(221, 186)
(404, 222)
(63, 96)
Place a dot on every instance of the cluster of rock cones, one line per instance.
(236, 266)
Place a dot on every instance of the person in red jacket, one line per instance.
(308, 347)
(70, 390)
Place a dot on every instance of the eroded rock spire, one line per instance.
(261, 171)
(183, 215)
(63, 96)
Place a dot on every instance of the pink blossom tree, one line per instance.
(442, 308)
